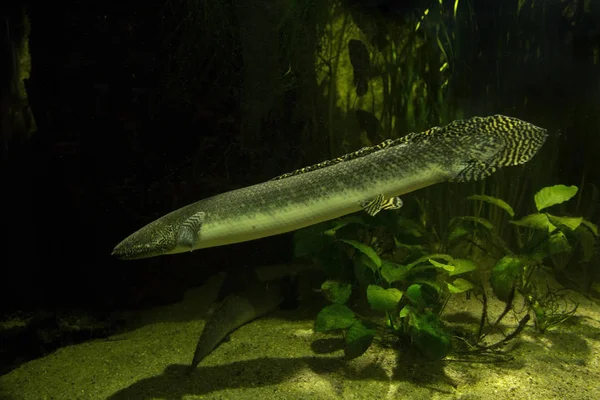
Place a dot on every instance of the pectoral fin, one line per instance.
(372, 207)
(189, 231)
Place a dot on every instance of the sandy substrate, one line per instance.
(280, 357)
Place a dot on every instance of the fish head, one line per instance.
(154, 239)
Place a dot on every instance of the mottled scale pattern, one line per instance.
(522, 140)
(497, 141)
(463, 150)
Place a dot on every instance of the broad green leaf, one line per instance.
(504, 276)
(536, 221)
(445, 267)
(495, 201)
(429, 335)
(358, 339)
(392, 272)
(462, 266)
(570, 222)
(414, 294)
(334, 316)
(366, 250)
(406, 311)
(590, 226)
(459, 285)
(552, 195)
(336, 292)
(382, 299)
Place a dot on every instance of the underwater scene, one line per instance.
(300, 199)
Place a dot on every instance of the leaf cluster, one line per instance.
(386, 260)
(546, 244)
(406, 278)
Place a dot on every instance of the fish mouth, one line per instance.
(128, 249)
(150, 241)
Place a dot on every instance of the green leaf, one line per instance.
(429, 335)
(590, 226)
(570, 222)
(446, 267)
(334, 316)
(382, 299)
(366, 250)
(462, 266)
(336, 292)
(406, 311)
(535, 221)
(393, 272)
(415, 295)
(358, 339)
(493, 200)
(552, 195)
(459, 285)
(504, 276)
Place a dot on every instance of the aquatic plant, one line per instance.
(407, 272)
(389, 261)
(545, 244)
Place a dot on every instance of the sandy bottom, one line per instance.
(280, 357)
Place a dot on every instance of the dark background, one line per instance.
(109, 155)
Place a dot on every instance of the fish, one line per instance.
(370, 179)
(236, 310)
(247, 294)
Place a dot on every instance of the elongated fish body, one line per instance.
(371, 179)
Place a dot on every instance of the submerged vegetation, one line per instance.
(406, 274)
(331, 77)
